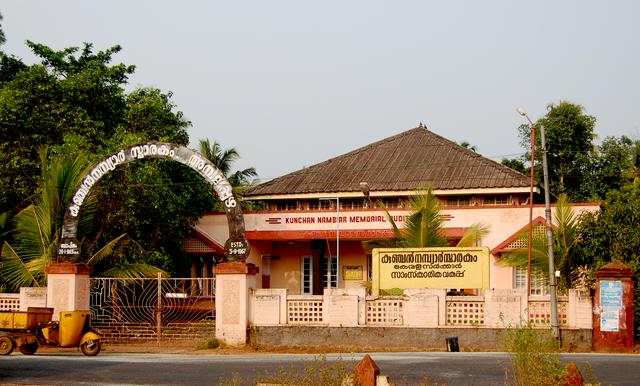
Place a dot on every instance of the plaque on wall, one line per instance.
(352, 272)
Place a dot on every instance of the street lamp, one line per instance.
(337, 243)
(547, 212)
(366, 190)
(522, 112)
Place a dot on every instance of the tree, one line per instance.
(565, 246)
(424, 227)
(223, 159)
(467, 145)
(2, 37)
(67, 101)
(34, 240)
(75, 101)
(516, 165)
(569, 136)
(612, 234)
(616, 166)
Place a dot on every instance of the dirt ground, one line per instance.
(192, 347)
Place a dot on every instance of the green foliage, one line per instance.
(569, 136)
(210, 344)
(34, 238)
(424, 226)
(319, 371)
(612, 234)
(565, 247)
(74, 101)
(223, 159)
(392, 292)
(516, 165)
(534, 356)
(616, 167)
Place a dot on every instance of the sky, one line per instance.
(293, 83)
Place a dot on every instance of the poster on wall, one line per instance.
(451, 267)
(611, 303)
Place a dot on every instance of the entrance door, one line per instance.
(310, 276)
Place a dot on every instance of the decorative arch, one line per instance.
(236, 247)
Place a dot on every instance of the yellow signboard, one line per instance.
(352, 272)
(430, 268)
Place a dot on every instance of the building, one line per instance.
(310, 235)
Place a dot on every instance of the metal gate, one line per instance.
(126, 309)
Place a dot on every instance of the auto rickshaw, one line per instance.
(28, 330)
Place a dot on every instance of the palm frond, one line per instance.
(16, 272)
(370, 245)
(473, 235)
(520, 257)
(424, 227)
(108, 249)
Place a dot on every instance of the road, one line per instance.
(462, 368)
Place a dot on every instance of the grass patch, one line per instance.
(210, 344)
(535, 358)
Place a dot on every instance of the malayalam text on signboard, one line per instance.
(430, 268)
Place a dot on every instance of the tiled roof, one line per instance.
(402, 162)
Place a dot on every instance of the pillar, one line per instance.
(613, 311)
(67, 287)
(233, 283)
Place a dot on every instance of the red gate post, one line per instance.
(613, 311)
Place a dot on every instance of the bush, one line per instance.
(534, 356)
(210, 344)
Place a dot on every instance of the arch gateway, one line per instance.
(236, 247)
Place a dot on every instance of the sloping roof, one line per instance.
(515, 241)
(402, 162)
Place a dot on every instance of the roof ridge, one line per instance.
(399, 162)
(347, 154)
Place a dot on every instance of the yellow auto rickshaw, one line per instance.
(33, 328)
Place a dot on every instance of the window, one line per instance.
(393, 203)
(330, 273)
(459, 201)
(287, 205)
(306, 275)
(496, 200)
(351, 204)
(538, 281)
(321, 204)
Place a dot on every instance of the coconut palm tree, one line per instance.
(565, 243)
(223, 159)
(424, 226)
(34, 238)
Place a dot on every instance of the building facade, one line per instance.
(309, 236)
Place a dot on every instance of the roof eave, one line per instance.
(390, 193)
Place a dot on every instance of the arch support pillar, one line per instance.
(67, 287)
(234, 282)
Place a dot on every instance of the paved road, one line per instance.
(171, 369)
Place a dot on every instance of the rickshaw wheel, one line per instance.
(6, 345)
(90, 348)
(28, 348)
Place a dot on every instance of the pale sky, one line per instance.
(293, 83)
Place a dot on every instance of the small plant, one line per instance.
(534, 356)
(210, 344)
(392, 292)
(318, 371)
